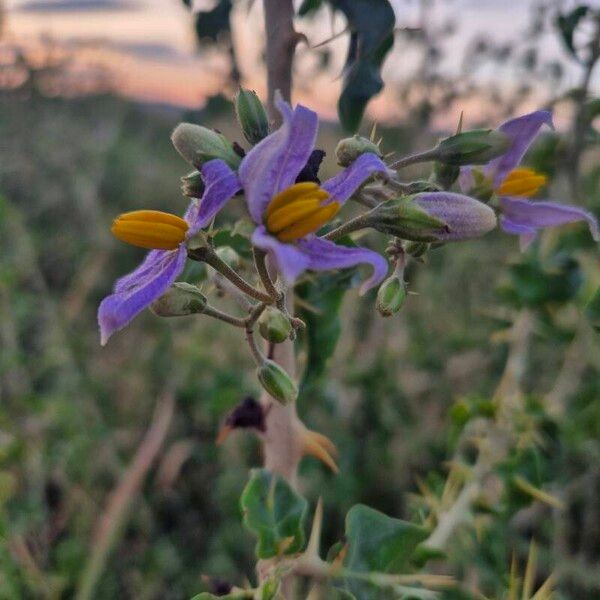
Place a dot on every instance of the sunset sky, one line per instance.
(149, 45)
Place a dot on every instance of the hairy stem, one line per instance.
(263, 273)
(427, 156)
(208, 255)
(215, 313)
(355, 224)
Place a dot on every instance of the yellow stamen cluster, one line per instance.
(522, 182)
(298, 211)
(151, 229)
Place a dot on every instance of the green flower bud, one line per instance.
(405, 219)
(251, 116)
(475, 147)
(229, 256)
(391, 296)
(198, 145)
(192, 185)
(277, 382)
(445, 175)
(274, 326)
(349, 149)
(179, 300)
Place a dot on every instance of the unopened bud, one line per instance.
(405, 219)
(192, 185)
(445, 175)
(251, 116)
(391, 296)
(464, 216)
(229, 256)
(198, 145)
(277, 382)
(274, 326)
(476, 147)
(349, 149)
(179, 300)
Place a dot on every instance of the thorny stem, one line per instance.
(209, 256)
(508, 397)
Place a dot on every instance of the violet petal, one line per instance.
(324, 255)
(274, 163)
(542, 214)
(139, 289)
(522, 131)
(221, 183)
(346, 182)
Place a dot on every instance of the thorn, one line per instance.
(326, 443)
(223, 434)
(314, 445)
(299, 37)
(389, 154)
(314, 541)
(331, 38)
(373, 131)
(460, 122)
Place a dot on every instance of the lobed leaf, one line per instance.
(275, 513)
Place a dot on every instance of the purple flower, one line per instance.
(288, 214)
(137, 290)
(514, 184)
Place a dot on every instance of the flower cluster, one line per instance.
(289, 205)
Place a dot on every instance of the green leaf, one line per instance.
(567, 24)
(322, 298)
(275, 513)
(377, 542)
(372, 25)
(309, 6)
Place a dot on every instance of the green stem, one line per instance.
(360, 222)
(208, 255)
(426, 156)
(211, 311)
(263, 273)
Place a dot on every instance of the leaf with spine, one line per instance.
(275, 513)
(371, 24)
(322, 298)
(567, 24)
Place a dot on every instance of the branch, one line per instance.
(281, 44)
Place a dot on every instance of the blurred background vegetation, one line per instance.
(78, 420)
